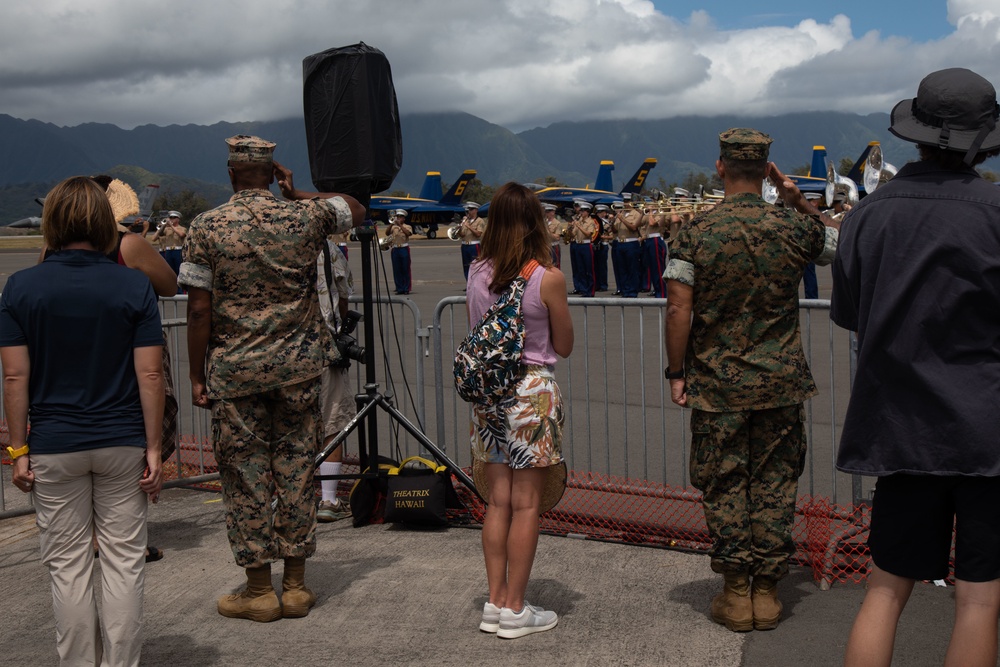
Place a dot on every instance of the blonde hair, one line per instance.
(78, 210)
(515, 234)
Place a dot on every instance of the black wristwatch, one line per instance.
(673, 375)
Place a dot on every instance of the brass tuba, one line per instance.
(835, 183)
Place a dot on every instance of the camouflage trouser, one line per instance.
(264, 445)
(747, 466)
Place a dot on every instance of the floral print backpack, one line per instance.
(488, 360)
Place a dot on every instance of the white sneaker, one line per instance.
(491, 618)
(529, 620)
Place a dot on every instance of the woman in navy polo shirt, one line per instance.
(80, 343)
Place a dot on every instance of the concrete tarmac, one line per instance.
(392, 596)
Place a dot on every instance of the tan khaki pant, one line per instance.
(77, 496)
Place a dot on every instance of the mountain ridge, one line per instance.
(37, 154)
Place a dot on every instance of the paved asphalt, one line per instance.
(390, 596)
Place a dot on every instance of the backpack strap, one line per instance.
(529, 268)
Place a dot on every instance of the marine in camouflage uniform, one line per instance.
(733, 319)
(257, 346)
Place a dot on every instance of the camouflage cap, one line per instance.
(248, 148)
(743, 143)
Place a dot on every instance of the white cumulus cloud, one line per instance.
(518, 63)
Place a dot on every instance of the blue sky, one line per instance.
(919, 20)
(515, 63)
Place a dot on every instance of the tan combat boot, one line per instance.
(258, 602)
(766, 606)
(733, 607)
(296, 599)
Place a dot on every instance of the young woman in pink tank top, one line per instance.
(519, 439)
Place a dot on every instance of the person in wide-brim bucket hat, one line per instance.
(955, 109)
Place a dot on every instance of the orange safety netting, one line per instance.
(829, 538)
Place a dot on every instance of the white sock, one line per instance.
(329, 486)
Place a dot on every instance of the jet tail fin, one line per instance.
(432, 186)
(454, 195)
(634, 185)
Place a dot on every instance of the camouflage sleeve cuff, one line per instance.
(681, 271)
(829, 247)
(195, 275)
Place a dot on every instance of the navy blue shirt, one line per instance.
(917, 275)
(81, 315)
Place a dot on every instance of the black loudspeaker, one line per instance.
(352, 121)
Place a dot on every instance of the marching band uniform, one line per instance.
(555, 225)
(643, 268)
(582, 251)
(655, 252)
(470, 231)
(399, 235)
(616, 246)
(627, 230)
(571, 234)
(601, 247)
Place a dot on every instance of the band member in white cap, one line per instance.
(470, 232)
(602, 239)
(399, 236)
(555, 227)
(170, 238)
(582, 250)
(626, 226)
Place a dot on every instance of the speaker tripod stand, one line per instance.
(366, 419)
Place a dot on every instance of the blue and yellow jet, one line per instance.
(602, 192)
(430, 209)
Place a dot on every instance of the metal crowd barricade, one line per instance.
(619, 416)
(626, 444)
(400, 331)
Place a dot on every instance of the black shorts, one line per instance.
(912, 521)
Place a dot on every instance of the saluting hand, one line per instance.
(284, 177)
(787, 190)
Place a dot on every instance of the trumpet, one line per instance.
(385, 243)
(666, 207)
(453, 233)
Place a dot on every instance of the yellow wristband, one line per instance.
(17, 453)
